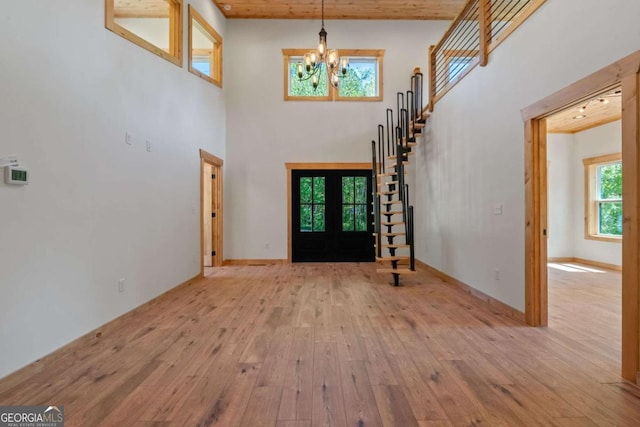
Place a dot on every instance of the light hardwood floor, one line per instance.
(336, 345)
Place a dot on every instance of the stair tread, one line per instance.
(391, 202)
(380, 184)
(387, 193)
(392, 223)
(382, 175)
(394, 234)
(389, 213)
(395, 245)
(393, 258)
(410, 153)
(405, 162)
(396, 270)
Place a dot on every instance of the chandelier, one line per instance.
(312, 62)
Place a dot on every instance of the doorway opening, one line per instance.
(330, 218)
(584, 233)
(211, 212)
(624, 74)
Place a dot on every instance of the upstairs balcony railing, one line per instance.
(479, 28)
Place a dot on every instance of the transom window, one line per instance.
(363, 81)
(457, 61)
(603, 195)
(155, 25)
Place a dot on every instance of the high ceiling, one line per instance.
(596, 111)
(341, 9)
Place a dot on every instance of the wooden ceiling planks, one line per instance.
(596, 113)
(339, 9)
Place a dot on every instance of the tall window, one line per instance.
(205, 49)
(603, 197)
(363, 81)
(155, 25)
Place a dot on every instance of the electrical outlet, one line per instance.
(148, 146)
(496, 274)
(121, 285)
(128, 138)
(497, 209)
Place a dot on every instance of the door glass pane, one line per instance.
(361, 190)
(318, 218)
(347, 218)
(318, 189)
(361, 218)
(347, 189)
(305, 190)
(305, 218)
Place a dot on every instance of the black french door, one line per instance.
(331, 217)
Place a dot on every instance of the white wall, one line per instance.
(565, 153)
(474, 156)
(561, 194)
(594, 142)
(96, 209)
(264, 131)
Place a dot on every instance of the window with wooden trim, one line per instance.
(155, 25)
(603, 197)
(458, 62)
(205, 49)
(363, 82)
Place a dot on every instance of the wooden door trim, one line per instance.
(312, 166)
(217, 163)
(535, 223)
(631, 226)
(626, 72)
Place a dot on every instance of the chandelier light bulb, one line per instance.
(299, 69)
(314, 81)
(332, 59)
(344, 65)
(335, 80)
(307, 62)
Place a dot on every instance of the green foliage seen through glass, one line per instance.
(361, 79)
(610, 188)
(354, 203)
(312, 199)
(299, 87)
(610, 218)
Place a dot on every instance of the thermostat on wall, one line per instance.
(18, 176)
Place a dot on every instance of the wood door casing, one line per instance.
(211, 166)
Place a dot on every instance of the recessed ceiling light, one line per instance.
(227, 7)
(581, 116)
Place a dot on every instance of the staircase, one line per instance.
(394, 234)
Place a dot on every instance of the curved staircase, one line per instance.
(394, 234)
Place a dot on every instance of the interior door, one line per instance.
(331, 217)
